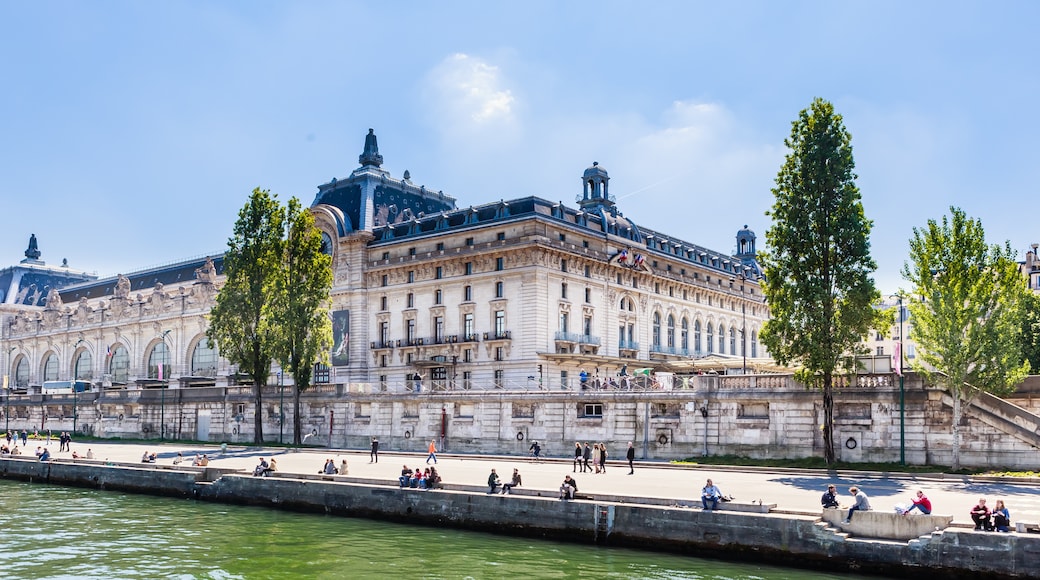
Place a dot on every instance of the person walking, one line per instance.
(631, 456)
(433, 453)
(577, 458)
(587, 456)
(373, 456)
(603, 457)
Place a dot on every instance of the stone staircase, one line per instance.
(1004, 416)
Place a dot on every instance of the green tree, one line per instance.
(817, 264)
(1031, 330)
(240, 322)
(305, 330)
(968, 324)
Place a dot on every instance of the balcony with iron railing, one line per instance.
(669, 350)
(628, 345)
(498, 335)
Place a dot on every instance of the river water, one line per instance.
(50, 532)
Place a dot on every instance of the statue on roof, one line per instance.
(53, 301)
(33, 252)
(371, 154)
(122, 289)
(207, 273)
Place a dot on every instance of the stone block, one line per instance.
(886, 525)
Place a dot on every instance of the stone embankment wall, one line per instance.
(758, 416)
(803, 541)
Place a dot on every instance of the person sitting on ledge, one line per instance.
(273, 467)
(921, 503)
(862, 503)
(568, 488)
(261, 468)
(980, 514)
(829, 498)
(493, 481)
(204, 461)
(148, 457)
(515, 482)
(46, 455)
(434, 479)
(330, 467)
(177, 460)
(1001, 517)
(710, 494)
(406, 474)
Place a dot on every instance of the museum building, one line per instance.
(518, 294)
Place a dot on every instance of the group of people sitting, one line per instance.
(494, 482)
(419, 478)
(998, 519)
(263, 469)
(43, 453)
(331, 469)
(14, 450)
(148, 457)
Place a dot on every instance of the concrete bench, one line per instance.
(886, 525)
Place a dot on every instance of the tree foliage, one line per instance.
(304, 327)
(241, 323)
(1031, 330)
(968, 323)
(817, 266)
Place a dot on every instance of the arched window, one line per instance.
(160, 355)
(684, 336)
(711, 339)
(82, 370)
(697, 336)
(21, 372)
(754, 344)
(119, 364)
(657, 329)
(204, 358)
(50, 368)
(733, 340)
(722, 339)
(671, 331)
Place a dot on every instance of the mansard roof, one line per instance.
(169, 274)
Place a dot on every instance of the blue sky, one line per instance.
(132, 132)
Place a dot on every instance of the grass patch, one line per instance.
(819, 463)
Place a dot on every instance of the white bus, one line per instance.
(65, 387)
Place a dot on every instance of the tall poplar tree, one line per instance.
(968, 323)
(305, 330)
(817, 264)
(240, 323)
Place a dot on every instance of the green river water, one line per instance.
(57, 533)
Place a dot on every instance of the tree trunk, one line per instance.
(258, 414)
(828, 419)
(956, 449)
(297, 428)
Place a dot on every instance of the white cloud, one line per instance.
(469, 94)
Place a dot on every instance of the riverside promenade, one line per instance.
(792, 490)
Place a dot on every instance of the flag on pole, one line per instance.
(108, 353)
(897, 359)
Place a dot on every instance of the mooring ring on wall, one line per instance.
(662, 439)
(234, 430)
(519, 435)
(851, 443)
(407, 434)
(120, 416)
(314, 432)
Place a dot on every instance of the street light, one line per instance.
(162, 387)
(902, 393)
(75, 388)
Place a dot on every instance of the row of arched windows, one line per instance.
(684, 336)
(203, 364)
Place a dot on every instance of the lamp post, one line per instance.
(75, 389)
(162, 387)
(281, 403)
(902, 392)
(7, 391)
